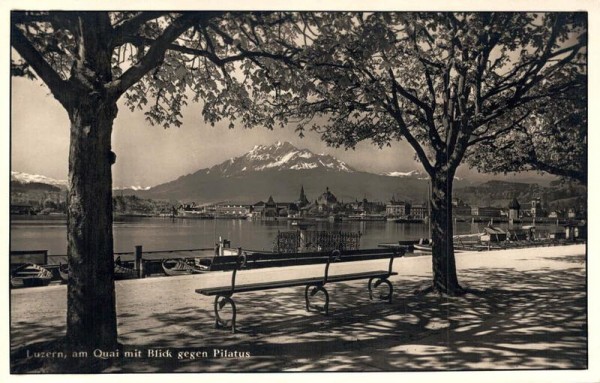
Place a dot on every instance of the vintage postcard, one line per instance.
(263, 189)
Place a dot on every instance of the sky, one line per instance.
(150, 155)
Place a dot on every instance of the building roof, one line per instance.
(327, 198)
(514, 204)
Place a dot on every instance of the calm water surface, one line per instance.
(166, 234)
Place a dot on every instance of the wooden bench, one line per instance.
(314, 284)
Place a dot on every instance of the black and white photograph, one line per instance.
(264, 190)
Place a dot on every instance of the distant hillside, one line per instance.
(38, 195)
(20, 187)
(132, 205)
(500, 193)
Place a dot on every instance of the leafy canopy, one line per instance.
(162, 60)
(445, 82)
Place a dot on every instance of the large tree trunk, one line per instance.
(444, 267)
(91, 315)
(91, 312)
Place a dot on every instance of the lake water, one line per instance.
(167, 234)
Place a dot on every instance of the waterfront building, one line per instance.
(486, 211)
(327, 202)
(365, 207)
(514, 210)
(461, 210)
(232, 210)
(287, 209)
(258, 208)
(270, 209)
(418, 211)
(397, 208)
(536, 207)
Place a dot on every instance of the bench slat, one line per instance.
(264, 260)
(292, 283)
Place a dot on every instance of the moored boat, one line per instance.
(173, 267)
(122, 272)
(63, 271)
(423, 248)
(424, 245)
(30, 274)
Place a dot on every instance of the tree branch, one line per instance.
(59, 87)
(579, 175)
(132, 25)
(394, 110)
(497, 133)
(156, 53)
(229, 40)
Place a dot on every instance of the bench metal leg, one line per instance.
(313, 292)
(379, 281)
(220, 302)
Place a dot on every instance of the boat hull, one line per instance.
(175, 267)
(423, 248)
(30, 275)
(120, 272)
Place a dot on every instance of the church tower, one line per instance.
(302, 201)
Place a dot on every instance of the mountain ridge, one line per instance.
(281, 169)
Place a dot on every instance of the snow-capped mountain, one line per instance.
(26, 178)
(136, 188)
(280, 156)
(412, 173)
(281, 170)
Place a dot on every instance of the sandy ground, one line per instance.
(530, 313)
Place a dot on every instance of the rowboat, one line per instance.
(120, 272)
(173, 267)
(423, 248)
(424, 245)
(30, 274)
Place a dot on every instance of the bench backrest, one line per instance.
(265, 260)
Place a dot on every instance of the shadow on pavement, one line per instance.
(519, 320)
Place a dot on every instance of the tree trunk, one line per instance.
(91, 313)
(444, 267)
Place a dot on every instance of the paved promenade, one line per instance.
(529, 313)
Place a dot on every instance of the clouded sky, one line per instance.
(148, 155)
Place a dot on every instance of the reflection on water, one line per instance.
(167, 234)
